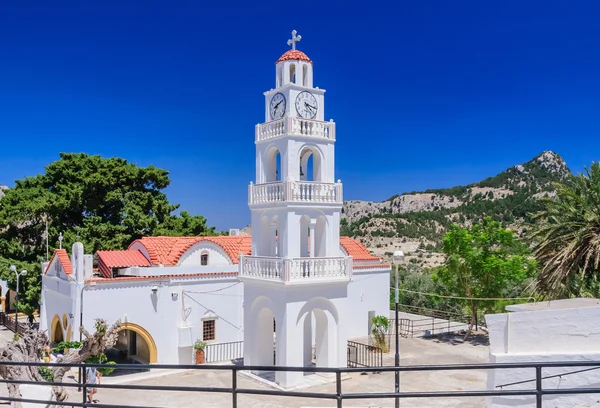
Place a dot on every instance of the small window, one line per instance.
(208, 330)
(204, 259)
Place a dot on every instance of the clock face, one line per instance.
(277, 106)
(306, 105)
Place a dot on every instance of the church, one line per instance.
(293, 294)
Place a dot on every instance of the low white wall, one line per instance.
(545, 336)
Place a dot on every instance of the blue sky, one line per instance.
(425, 94)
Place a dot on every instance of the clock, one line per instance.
(306, 105)
(277, 106)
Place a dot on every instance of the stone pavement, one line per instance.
(413, 352)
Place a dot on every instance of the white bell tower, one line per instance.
(296, 280)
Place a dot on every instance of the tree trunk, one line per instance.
(30, 346)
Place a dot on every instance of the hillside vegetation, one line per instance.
(416, 222)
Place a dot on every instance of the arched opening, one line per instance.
(319, 319)
(310, 165)
(265, 240)
(293, 73)
(304, 236)
(321, 237)
(279, 76)
(134, 346)
(273, 165)
(264, 337)
(304, 75)
(56, 330)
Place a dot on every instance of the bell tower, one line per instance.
(297, 276)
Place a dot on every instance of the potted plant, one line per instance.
(199, 346)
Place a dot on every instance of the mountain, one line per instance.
(416, 222)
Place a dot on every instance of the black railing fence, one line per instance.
(364, 355)
(218, 352)
(432, 322)
(9, 321)
(339, 396)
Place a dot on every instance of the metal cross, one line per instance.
(294, 39)
(60, 239)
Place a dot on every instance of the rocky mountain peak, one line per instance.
(553, 163)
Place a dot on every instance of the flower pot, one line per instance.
(199, 356)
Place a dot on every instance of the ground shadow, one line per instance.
(479, 338)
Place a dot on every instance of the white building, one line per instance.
(556, 331)
(296, 276)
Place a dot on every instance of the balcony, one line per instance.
(295, 127)
(296, 270)
(295, 191)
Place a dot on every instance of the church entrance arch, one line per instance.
(56, 330)
(134, 344)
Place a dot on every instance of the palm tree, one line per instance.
(567, 239)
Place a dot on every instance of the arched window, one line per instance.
(204, 258)
(310, 165)
(279, 76)
(305, 75)
(293, 73)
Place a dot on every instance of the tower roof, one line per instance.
(294, 55)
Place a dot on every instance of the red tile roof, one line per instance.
(356, 250)
(64, 260)
(179, 276)
(119, 259)
(293, 55)
(168, 250)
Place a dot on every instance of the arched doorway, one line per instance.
(272, 165)
(134, 346)
(265, 336)
(56, 330)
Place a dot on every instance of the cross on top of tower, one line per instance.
(294, 39)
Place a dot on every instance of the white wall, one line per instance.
(171, 307)
(367, 291)
(58, 299)
(545, 336)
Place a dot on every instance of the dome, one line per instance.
(294, 55)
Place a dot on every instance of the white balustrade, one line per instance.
(295, 127)
(296, 270)
(295, 191)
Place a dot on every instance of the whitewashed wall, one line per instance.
(368, 291)
(171, 307)
(545, 336)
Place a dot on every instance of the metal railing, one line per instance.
(217, 352)
(364, 355)
(339, 396)
(10, 323)
(437, 322)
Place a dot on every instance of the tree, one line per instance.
(30, 345)
(483, 262)
(105, 202)
(567, 235)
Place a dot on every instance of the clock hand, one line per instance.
(310, 106)
(277, 105)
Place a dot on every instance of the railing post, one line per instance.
(234, 394)
(84, 383)
(338, 387)
(538, 387)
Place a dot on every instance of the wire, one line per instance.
(460, 297)
(212, 291)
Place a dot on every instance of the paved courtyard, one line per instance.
(413, 352)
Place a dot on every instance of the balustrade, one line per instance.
(296, 191)
(295, 127)
(296, 270)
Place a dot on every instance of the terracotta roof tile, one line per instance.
(293, 55)
(159, 277)
(64, 260)
(119, 259)
(356, 250)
